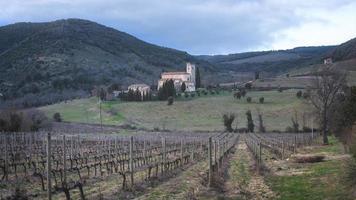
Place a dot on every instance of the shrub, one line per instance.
(307, 129)
(299, 94)
(289, 129)
(262, 100)
(186, 95)
(237, 95)
(248, 85)
(170, 101)
(280, 89)
(249, 99)
(15, 121)
(243, 92)
(212, 92)
(57, 117)
(309, 158)
(228, 118)
(192, 95)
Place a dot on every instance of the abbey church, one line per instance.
(187, 77)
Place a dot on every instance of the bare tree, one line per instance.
(326, 85)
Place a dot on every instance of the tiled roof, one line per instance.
(139, 85)
(174, 73)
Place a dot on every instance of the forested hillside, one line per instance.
(270, 61)
(66, 58)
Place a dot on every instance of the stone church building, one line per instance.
(188, 77)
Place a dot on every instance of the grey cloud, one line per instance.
(196, 26)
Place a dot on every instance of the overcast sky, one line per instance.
(204, 26)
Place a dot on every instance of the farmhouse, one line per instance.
(187, 77)
(143, 88)
(328, 61)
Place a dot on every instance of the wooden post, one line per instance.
(49, 186)
(210, 163)
(215, 156)
(282, 149)
(144, 152)
(6, 159)
(30, 145)
(64, 162)
(131, 161)
(181, 152)
(219, 153)
(260, 154)
(71, 147)
(164, 156)
(295, 144)
(78, 145)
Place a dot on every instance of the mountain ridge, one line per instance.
(69, 56)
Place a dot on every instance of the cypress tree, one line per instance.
(250, 125)
(197, 78)
(183, 87)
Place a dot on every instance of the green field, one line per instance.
(189, 114)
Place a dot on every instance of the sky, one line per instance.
(204, 26)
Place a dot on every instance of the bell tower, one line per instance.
(191, 71)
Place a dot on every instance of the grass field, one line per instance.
(199, 113)
(316, 181)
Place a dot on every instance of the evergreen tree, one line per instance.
(197, 78)
(138, 95)
(167, 90)
(183, 87)
(250, 125)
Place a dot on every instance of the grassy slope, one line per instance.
(319, 181)
(200, 113)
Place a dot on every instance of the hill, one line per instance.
(345, 51)
(270, 61)
(66, 58)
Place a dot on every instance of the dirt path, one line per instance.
(243, 182)
(185, 186)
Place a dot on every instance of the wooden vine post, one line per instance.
(144, 153)
(64, 162)
(259, 156)
(210, 163)
(181, 152)
(131, 161)
(164, 155)
(6, 159)
(215, 153)
(49, 186)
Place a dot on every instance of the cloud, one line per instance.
(204, 26)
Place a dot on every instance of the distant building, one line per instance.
(328, 61)
(143, 88)
(187, 77)
(117, 93)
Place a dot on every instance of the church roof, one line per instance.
(174, 73)
(138, 85)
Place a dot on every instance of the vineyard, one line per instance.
(66, 166)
